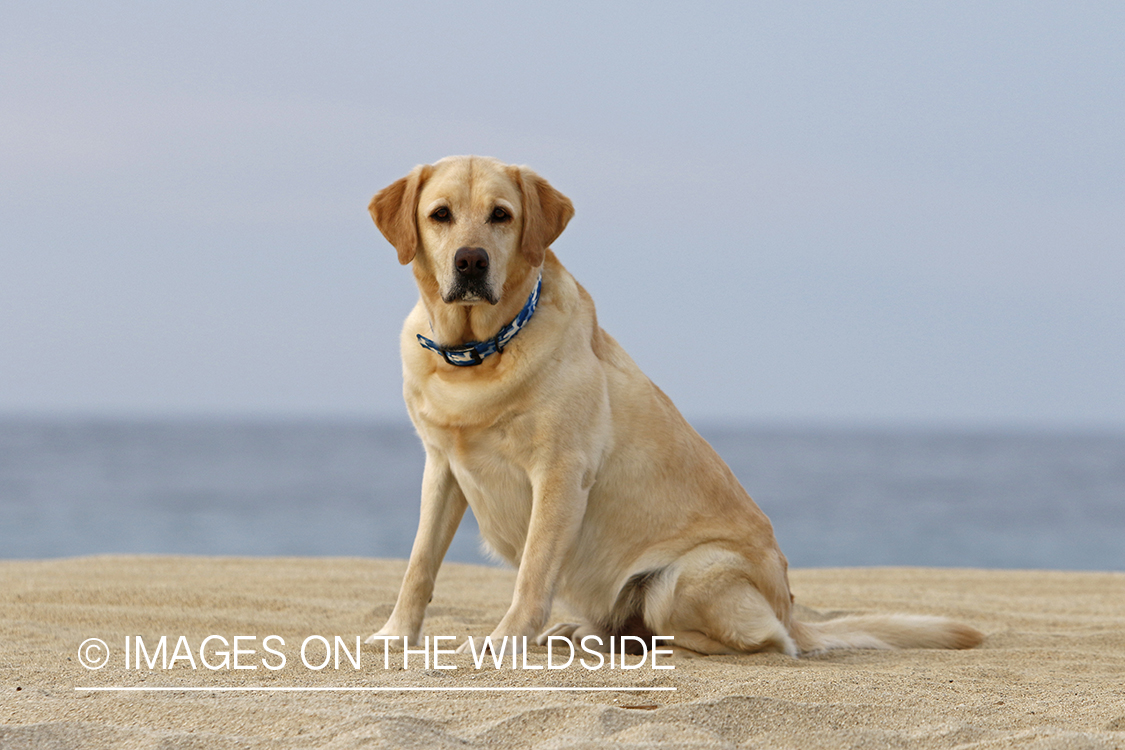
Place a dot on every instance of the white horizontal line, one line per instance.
(264, 689)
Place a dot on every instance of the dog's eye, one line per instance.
(441, 214)
(499, 216)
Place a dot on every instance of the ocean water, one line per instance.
(836, 497)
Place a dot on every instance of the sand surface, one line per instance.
(1050, 675)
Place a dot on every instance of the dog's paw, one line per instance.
(562, 630)
(503, 648)
(395, 640)
(499, 646)
(395, 637)
(577, 633)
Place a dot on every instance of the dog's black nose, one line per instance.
(471, 262)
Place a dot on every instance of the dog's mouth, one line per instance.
(470, 292)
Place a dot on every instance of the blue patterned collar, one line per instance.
(474, 352)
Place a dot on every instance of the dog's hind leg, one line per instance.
(707, 602)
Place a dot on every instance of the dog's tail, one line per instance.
(884, 631)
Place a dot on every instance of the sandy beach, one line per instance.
(1051, 673)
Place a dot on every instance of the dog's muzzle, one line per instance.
(471, 277)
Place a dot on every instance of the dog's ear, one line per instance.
(395, 211)
(546, 212)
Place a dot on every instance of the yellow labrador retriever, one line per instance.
(580, 471)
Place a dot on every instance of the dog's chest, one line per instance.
(485, 465)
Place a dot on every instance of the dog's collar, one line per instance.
(474, 352)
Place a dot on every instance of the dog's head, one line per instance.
(471, 224)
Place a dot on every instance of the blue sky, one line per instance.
(833, 213)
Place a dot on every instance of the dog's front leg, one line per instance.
(443, 505)
(558, 506)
